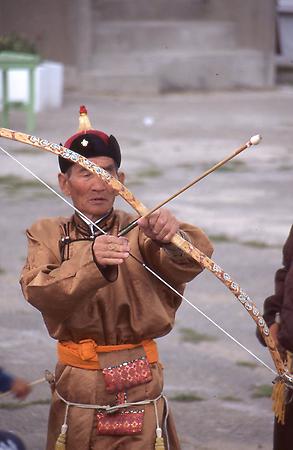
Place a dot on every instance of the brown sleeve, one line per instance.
(286, 312)
(274, 303)
(176, 266)
(56, 287)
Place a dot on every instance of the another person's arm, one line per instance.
(19, 387)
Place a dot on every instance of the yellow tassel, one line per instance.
(84, 121)
(280, 392)
(278, 397)
(159, 444)
(61, 441)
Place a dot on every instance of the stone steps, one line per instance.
(151, 9)
(132, 56)
(116, 84)
(127, 36)
(177, 71)
(152, 56)
(217, 70)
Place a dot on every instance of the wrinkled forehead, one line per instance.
(105, 162)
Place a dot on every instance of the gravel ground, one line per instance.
(167, 141)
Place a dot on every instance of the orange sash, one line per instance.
(85, 354)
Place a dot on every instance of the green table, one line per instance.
(15, 61)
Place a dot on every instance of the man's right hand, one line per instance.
(110, 250)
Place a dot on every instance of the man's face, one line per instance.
(89, 194)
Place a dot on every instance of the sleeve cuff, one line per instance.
(6, 381)
(174, 252)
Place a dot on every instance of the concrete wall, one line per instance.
(255, 19)
(62, 30)
(51, 25)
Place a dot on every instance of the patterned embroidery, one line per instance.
(121, 397)
(126, 375)
(120, 423)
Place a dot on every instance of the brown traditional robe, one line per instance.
(112, 306)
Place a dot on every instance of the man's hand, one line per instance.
(20, 388)
(160, 226)
(110, 250)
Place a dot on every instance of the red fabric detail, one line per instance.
(121, 398)
(120, 423)
(102, 135)
(127, 375)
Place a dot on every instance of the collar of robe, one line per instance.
(86, 227)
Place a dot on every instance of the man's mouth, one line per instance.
(97, 200)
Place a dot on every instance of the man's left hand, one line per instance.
(160, 226)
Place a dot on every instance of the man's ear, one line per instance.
(121, 177)
(63, 183)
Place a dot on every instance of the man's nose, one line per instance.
(98, 185)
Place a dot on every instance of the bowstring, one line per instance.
(141, 263)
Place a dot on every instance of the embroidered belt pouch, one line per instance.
(126, 375)
(126, 422)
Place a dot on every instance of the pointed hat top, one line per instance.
(84, 121)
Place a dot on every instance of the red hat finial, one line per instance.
(84, 121)
(82, 110)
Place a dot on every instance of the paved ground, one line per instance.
(167, 141)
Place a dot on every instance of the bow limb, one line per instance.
(177, 240)
(241, 296)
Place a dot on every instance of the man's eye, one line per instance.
(86, 174)
(111, 171)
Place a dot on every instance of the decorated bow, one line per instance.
(177, 240)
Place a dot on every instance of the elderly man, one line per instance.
(104, 309)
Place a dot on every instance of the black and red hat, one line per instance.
(89, 143)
